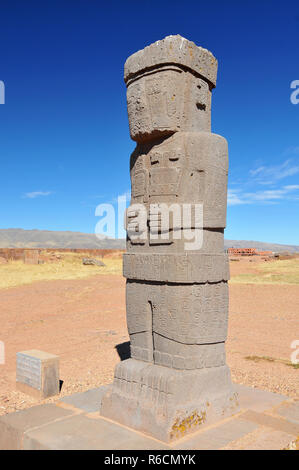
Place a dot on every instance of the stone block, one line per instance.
(37, 373)
(269, 439)
(289, 411)
(270, 421)
(89, 401)
(219, 436)
(256, 399)
(83, 433)
(13, 426)
(182, 268)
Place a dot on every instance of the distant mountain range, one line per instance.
(19, 238)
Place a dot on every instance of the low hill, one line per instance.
(19, 238)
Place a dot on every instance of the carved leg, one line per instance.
(139, 321)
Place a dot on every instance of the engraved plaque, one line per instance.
(37, 373)
(29, 370)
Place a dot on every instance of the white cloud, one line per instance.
(237, 196)
(292, 187)
(248, 192)
(35, 194)
(257, 171)
(272, 174)
(234, 197)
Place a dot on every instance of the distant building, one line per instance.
(247, 252)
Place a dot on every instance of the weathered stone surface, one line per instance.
(83, 433)
(177, 292)
(89, 401)
(169, 88)
(13, 426)
(187, 167)
(279, 424)
(57, 427)
(179, 268)
(172, 100)
(258, 400)
(218, 437)
(173, 50)
(37, 373)
(191, 314)
(289, 411)
(166, 403)
(268, 439)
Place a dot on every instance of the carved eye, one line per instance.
(173, 157)
(155, 158)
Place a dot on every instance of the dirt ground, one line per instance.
(83, 321)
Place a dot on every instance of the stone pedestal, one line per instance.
(37, 373)
(177, 294)
(168, 403)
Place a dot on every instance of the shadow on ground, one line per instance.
(123, 350)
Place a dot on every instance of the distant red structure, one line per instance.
(247, 252)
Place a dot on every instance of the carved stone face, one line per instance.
(166, 101)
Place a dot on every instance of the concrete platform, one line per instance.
(266, 421)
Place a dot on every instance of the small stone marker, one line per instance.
(92, 262)
(38, 373)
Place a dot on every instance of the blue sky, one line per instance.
(64, 138)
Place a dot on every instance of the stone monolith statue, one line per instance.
(176, 380)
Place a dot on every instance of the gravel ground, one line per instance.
(83, 320)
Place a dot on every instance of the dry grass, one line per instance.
(274, 272)
(16, 273)
(272, 359)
